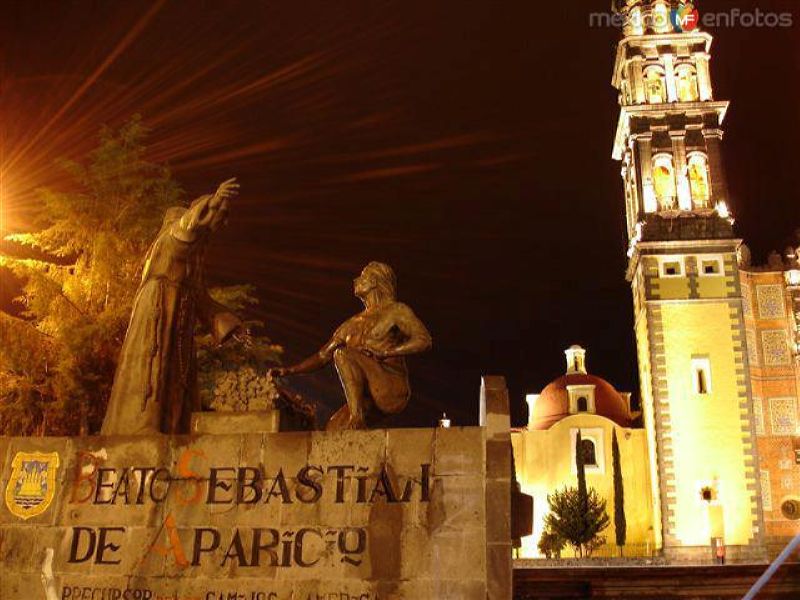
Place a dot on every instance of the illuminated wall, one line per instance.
(698, 408)
(707, 442)
(647, 403)
(545, 462)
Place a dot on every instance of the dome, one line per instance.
(561, 398)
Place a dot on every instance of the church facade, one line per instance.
(714, 457)
(544, 450)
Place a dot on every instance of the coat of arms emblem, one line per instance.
(32, 483)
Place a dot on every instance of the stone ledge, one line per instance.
(221, 423)
(653, 582)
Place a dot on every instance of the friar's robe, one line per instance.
(155, 386)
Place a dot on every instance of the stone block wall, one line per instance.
(401, 513)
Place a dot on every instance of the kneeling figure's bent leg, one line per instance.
(388, 387)
(363, 379)
(353, 378)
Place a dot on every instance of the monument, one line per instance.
(147, 511)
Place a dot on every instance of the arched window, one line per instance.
(664, 182)
(583, 404)
(655, 90)
(698, 179)
(702, 384)
(661, 17)
(701, 371)
(626, 92)
(686, 80)
(589, 453)
(636, 22)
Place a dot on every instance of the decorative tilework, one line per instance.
(770, 301)
(787, 483)
(766, 490)
(785, 465)
(783, 413)
(752, 348)
(747, 300)
(758, 415)
(775, 347)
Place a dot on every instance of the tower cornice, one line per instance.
(627, 113)
(668, 247)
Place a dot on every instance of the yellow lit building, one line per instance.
(544, 451)
(714, 457)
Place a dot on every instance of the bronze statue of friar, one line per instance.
(155, 385)
(368, 351)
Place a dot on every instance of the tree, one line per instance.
(620, 525)
(578, 515)
(80, 270)
(551, 544)
(576, 520)
(580, 465)
(23, 377)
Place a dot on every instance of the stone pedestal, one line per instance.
(494, 417)
(420, 514)
(220, 423)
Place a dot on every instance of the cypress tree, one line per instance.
(580, 464)
(620, 525)
(583, 494)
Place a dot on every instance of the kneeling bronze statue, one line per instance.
(369, 349)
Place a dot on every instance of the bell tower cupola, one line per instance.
(669, 131)
(576, 360)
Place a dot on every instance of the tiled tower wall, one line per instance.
(769, 321)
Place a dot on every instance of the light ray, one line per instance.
(123, 44)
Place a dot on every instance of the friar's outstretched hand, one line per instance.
(227, 189)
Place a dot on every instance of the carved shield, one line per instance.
(32, 484)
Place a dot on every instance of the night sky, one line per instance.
(468, 144)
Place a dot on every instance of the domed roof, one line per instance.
(553, 404)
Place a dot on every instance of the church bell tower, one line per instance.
(683, 271)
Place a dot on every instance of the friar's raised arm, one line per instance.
(204, 212)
